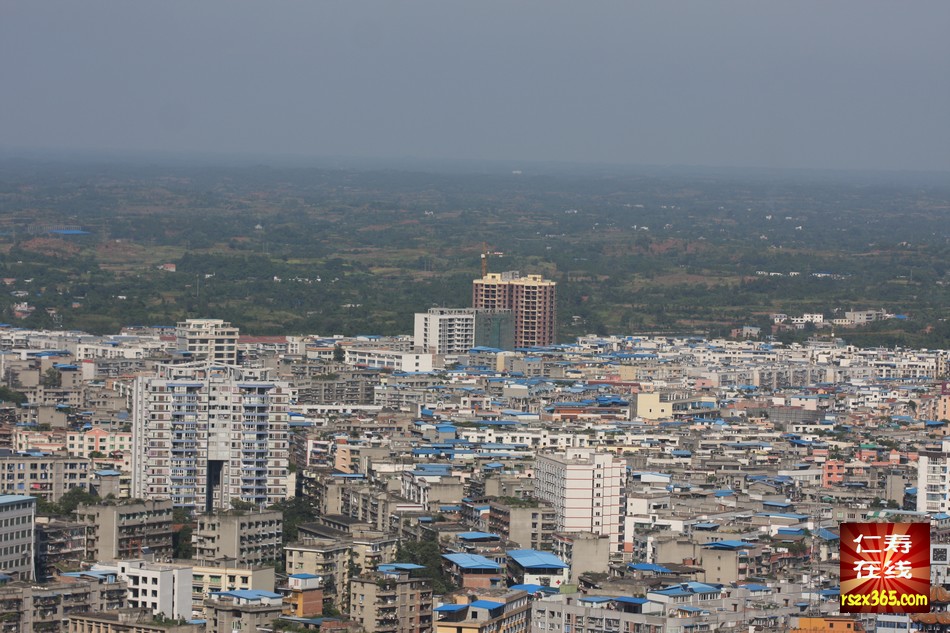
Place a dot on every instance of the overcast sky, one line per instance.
(849, 84)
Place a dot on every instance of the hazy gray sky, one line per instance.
(793, 83)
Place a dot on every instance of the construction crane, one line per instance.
(485, 254)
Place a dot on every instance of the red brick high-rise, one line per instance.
(532, 300)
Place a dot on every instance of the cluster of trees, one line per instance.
(428, 554)
(11, 395)
(296, 511)
(67, 504)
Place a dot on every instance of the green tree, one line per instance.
(239, 505)
(428, 554)
(46, 508)
(52, 378)
(181, 540)
(9, 395)
(296, 511)
(67, 503)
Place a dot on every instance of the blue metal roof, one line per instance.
(533, 588)
(471, 561)
(487, 604)
(5, 499)
(450, 608)
(675, 591)
(732, 545)
(826, 534)
(478, 536)
(399, 567)
(783, 515)
(529, 558)
(689, 588)
(629, 600)
(658, 569)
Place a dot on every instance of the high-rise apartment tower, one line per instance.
(585, 489)
(204, 436)
(531, 299)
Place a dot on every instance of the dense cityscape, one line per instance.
(474, 317)
(475, 476)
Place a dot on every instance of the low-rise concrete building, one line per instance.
(327, 558)
(17, 518)
(254, 538)
(583, 552)
(208, 578)
(45, 476)
(165, 590)
(391, 601)
(40, 608)
(228, 611)
(484, 611)
(60, 546)
(126, 621)
(129, 531)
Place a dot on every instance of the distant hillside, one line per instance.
(344, 251)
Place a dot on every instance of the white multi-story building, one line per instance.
(205, 435)
(445, 330)
(390, 359)
(17, 518)
(212, 340)
(163, 589)
(933, 480)
(584, 487)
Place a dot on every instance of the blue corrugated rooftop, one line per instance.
(727, 545)
(478, 536)
(471, 561)
(651, 567)
(529, 558)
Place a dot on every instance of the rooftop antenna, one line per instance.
(484, 260)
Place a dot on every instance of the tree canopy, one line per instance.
(428, 554)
